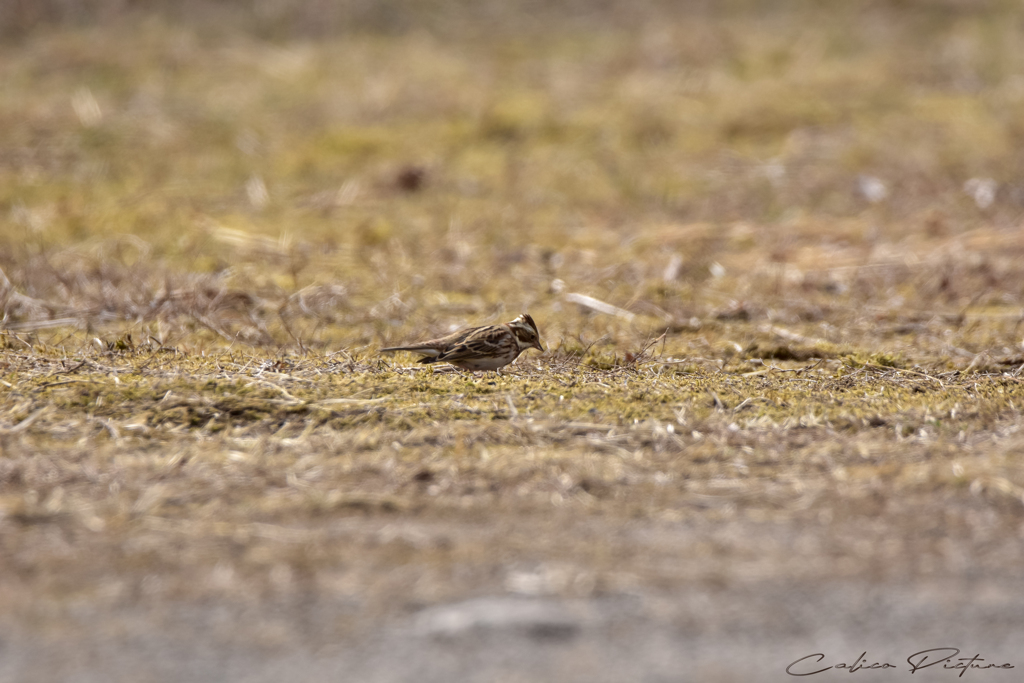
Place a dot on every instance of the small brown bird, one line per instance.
(480, 348)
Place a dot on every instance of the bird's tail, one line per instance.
(430, 354)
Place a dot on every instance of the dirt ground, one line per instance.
(775, 254)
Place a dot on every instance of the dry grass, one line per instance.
(220, 476)
(808, 221)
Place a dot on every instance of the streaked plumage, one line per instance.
(480, 348)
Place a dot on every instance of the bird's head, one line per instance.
(526, 332)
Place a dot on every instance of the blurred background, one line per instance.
(366, 168)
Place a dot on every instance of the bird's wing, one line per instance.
(482, 343)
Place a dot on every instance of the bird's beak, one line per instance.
(537, 346)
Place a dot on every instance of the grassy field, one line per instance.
(798, 226)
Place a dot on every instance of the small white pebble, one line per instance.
(872, 188)
(982, 191)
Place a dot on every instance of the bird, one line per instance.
(490, 347)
